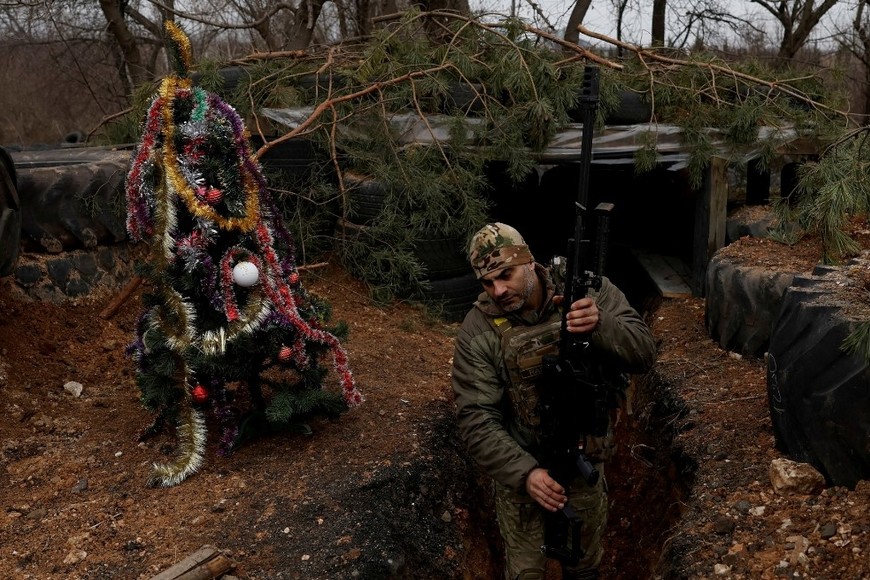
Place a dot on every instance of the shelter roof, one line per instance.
(614, 145)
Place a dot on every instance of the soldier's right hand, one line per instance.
(545, 490)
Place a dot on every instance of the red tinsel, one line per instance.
(138, 221)
(230, 306)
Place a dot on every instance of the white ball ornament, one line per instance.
(245, 274)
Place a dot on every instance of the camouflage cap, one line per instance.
(496, 246)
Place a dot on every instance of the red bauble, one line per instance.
(209, 195)
(213, 196)
(293, 278)
(199, 394)
(285, 353)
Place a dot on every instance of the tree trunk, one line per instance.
(301, 31)
(363, 17)
(578, 13)
(794, 35)
(788, 47)
(620, 19)
(136, 71)
(658, 22)
(866, 88)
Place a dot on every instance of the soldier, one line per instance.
(514, 322)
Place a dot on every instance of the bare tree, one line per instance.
(797, 18)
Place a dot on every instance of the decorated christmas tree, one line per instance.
(227, 326)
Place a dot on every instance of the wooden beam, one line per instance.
(710, 216)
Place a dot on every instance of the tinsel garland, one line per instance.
(180, 46)
(191, 443)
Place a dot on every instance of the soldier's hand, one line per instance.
(583, 316)
(545, 490)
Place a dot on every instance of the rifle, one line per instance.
(574, 399)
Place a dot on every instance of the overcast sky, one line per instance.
(601, 16)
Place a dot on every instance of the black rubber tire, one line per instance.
(464, 99)
(10, 215)
(366, 197)
(452, 298)
(297, 158)
(75, 137)
(631, 109)
(442, 257)
(819, 395)
(738, 225)
(72, 198)
(742, 303)
(230, 78)
(317, 86)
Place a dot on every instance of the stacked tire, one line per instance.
(73, 221)
(448, 286)
(72, 198)
(818, 393)
(742, 303)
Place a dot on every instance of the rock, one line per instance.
(791, 477)
(734, 555)
(74, 388)
(742, 507)
(828, 531)
(81, 485)
(75, 556)
(797, 552)
(724, 525)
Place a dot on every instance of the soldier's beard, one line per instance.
(515, 302)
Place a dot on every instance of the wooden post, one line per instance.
(119, 300)
(710, 213)
(204, 564)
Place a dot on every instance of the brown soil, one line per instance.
(691, 480)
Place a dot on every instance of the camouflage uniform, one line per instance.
(497, 417)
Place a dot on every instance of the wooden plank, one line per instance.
(711, 207)
(670, 275)
(204, 564)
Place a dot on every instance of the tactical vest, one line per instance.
(523, 349)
